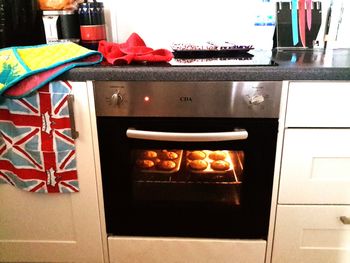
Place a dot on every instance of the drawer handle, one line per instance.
(345, 220)
(70, 99)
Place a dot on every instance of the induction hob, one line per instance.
(251, 58)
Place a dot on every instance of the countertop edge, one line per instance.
(157, 73)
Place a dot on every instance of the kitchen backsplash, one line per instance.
(246, 22)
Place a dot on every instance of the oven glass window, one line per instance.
(211, 189)
(196, 175)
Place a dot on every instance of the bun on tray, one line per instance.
(197, 155)
(217, 155)
(198, 165)
(145, 164)
(166, 165)
(220, 165)
(169, 155)
(149, 154)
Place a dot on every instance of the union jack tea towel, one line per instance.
(37, 152)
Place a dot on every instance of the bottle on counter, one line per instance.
(92, 23)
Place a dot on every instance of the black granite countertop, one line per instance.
(291, 65)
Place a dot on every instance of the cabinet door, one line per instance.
(311, 234)
(56, 227)
(318, 104)
(315, 167)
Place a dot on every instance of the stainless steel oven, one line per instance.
(187, 159)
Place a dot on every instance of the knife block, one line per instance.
(284, 33)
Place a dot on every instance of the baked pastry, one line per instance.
(169, 155)
(166, 165)
(198, 165)
(220, 165)
(197, 155)
(217, 155)
(149, 154)
(145, 164)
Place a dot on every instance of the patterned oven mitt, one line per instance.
(28, 68)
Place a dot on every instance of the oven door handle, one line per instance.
(238, 134)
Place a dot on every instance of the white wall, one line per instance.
(162, 22)
(339, 29)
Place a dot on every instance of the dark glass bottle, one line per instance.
(92, 23)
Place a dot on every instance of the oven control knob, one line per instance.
(117, 98)
(256, 99)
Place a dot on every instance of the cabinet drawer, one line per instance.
(174, 250)
(318, 104)
(311, 234)
(315, 167)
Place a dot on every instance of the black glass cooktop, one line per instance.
(226, 58)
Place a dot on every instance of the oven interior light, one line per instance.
(146, 99)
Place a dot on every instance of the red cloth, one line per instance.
(134, 49)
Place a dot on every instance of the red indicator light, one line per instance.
(146, 99)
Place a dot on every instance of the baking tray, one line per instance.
(211, 46)
(157, 157)
(209, 161)
(210, 49)
(209, 174)
(207, 56)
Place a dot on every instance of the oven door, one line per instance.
(187, 177)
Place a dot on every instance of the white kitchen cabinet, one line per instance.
(57, 227)
(315, 167)
(313, 212)
(311, 234)
(318, 104)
